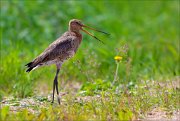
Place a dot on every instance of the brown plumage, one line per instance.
(57, 52)
(61, 49)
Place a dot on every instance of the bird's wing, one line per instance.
(57, 49)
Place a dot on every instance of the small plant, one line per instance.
(118, 60)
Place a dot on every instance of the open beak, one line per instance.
(92, 34)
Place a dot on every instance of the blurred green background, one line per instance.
(145, 33)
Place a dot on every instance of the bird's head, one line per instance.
(76, 25)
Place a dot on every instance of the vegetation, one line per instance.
(144, 33)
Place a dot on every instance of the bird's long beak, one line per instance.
(92, 34)
(95, 29)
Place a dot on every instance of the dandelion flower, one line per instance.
(118, 58)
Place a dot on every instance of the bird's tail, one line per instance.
(29, 66)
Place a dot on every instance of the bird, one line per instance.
(61, 50)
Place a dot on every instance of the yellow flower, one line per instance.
(118, 58)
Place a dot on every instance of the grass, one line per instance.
(144, 33)
(122, 104)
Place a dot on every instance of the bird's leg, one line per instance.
(55, 84)
(58, 96)
(58, 69)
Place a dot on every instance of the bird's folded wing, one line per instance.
(56, 50)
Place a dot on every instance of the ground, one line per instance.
(71, 96)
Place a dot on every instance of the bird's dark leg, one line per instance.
(55, 84)
(58, 96)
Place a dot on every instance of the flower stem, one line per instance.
(115, 76)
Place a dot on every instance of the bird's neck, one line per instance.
(74, 29)
(77, 34)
